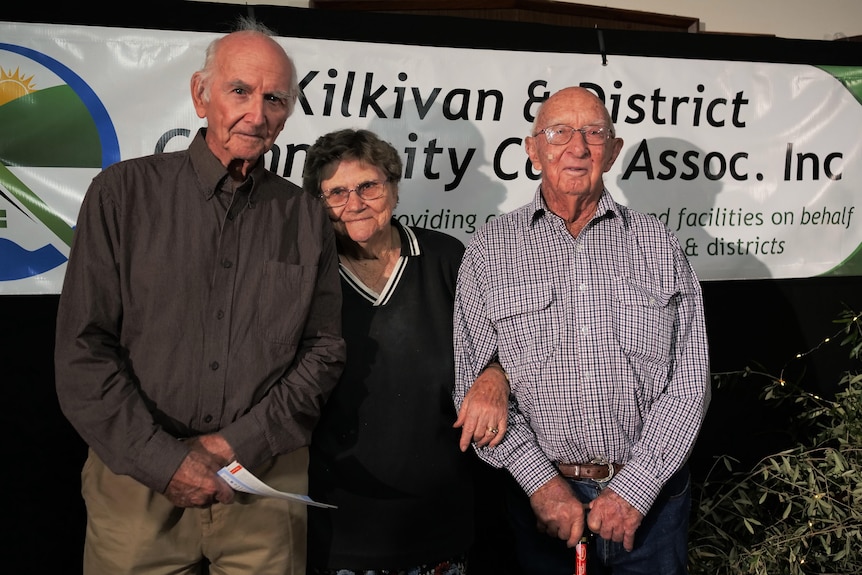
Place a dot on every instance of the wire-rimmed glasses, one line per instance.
(370, 190)
(561, 134)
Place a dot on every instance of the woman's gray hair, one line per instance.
(362, 145)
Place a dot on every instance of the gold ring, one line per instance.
(493, 430)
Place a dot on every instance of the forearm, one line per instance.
(100, 400)
(475, 350)
(519, 453)
(475, 341)
(93, 376)
(284, 418)
(674, 420)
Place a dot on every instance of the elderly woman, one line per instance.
(386, 451)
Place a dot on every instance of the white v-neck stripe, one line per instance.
(368, 293)
(410, 246)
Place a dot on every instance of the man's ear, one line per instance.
(197, 88)
(615, 149)
(533, 152)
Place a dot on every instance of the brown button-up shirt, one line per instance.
(189, 307)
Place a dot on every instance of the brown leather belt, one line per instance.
(594, 471)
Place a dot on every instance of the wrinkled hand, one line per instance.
(485, 407)
(613, 518)
(196, 482)
(559, 513)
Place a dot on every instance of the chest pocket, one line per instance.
(644, 321)
(527, 324)
(285, 295)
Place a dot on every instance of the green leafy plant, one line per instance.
(798, 511)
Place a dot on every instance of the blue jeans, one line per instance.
(661, 542)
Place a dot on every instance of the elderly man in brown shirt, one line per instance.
(199, 323)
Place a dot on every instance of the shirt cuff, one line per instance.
(637, 486)
(531, 469)
(248, 442)
(159, 460)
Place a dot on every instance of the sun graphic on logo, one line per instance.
(13, 86)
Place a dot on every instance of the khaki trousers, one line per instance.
(132, 529)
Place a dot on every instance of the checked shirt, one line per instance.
(602, 336)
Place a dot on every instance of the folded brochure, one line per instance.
(241, 479)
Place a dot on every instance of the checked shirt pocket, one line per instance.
(644, 321)
(526, 323)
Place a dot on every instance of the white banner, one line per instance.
(755, 166)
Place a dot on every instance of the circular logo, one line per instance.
(55, 135)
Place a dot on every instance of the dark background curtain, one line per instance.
(762, 324)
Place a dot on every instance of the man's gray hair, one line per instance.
(246, 24)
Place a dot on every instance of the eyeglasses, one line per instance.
(561, 134)
(370, 190)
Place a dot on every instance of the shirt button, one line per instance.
(585, 329)
(208, 418)
(583, 286)
(214, 365)
(220, 314)
(226, 263)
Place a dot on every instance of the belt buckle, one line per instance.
(611, 471)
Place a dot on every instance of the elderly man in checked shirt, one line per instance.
(597, 318)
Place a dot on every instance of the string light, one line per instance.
(781, 381)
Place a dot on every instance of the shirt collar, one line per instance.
(210, 171)
(607, 208)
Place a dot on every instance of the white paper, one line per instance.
(241, 479)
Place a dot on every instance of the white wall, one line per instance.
(799, 19)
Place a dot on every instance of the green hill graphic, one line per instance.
(49, 128)
(851, 78)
